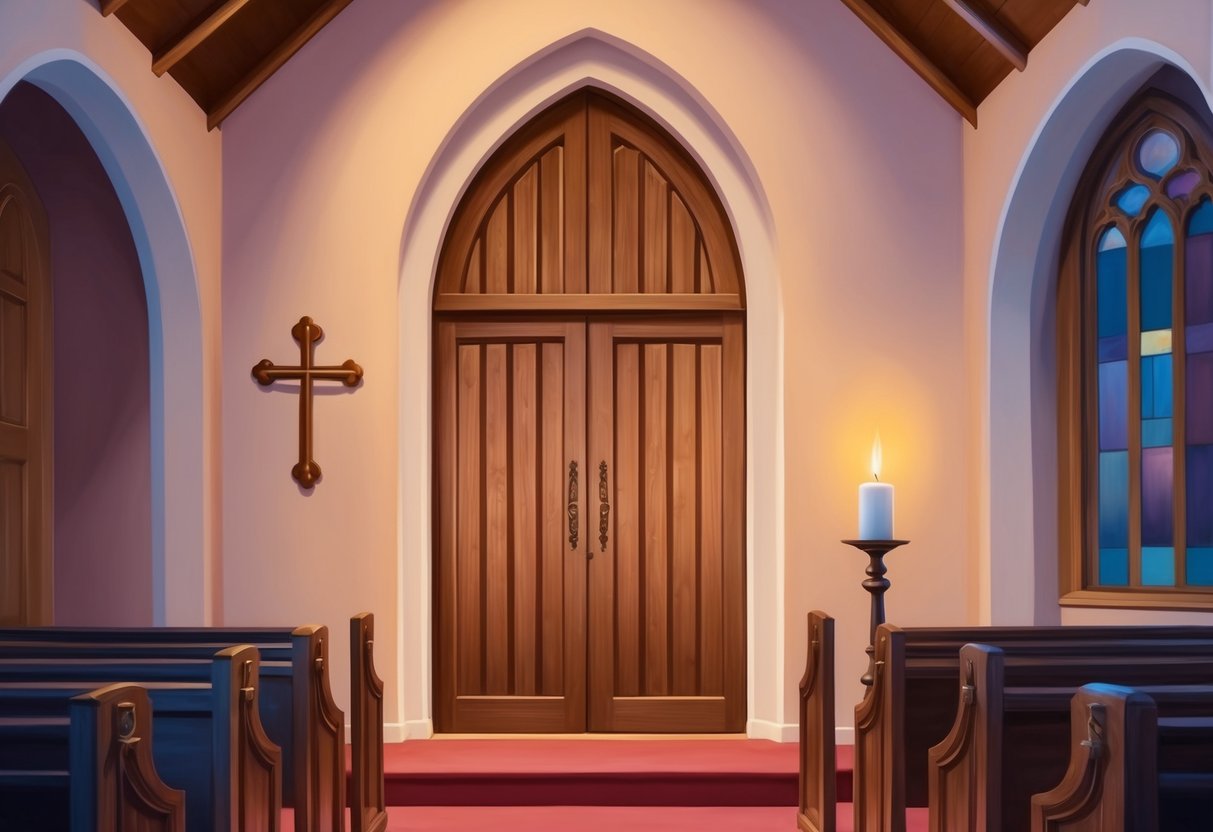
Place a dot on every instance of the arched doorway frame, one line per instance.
(585, 58)
(1020, 500)
(181, 582)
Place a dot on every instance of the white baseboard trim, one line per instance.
(762, 729)
(392, 732)
(414, 729)
(844, 736)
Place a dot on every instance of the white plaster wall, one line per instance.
(152, 140)
(1034, 135)
(858, 163)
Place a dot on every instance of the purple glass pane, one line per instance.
(1156, 482)
(1182, 183)
(1199, 394)
(1200, 495)
(1114, 406)
(1116, 348)
(1200, 338)
(1158, 153)
(1198, 279)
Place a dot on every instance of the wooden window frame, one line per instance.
(1092, 212)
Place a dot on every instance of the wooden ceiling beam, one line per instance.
(912, 55)
(992, 31)
(188, 39)
(109, 7)
(270, 64)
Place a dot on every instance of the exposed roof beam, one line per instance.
(108, 7)
(243, 88)
(913, 56)
(993, 31)
(199, 30)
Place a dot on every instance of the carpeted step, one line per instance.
(593, 772)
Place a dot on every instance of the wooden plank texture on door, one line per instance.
(667, 583)
(510, 605)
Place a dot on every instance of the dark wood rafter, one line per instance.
(939, 80)
(109, 7)
(194, 34)
(1008, 44)
(273, 62)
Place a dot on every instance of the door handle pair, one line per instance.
(604, 507)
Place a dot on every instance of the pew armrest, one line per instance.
(1113, 732)
(114, 782)
(818, 802)
(319, 729)
(368, 809)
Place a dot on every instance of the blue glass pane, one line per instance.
(1161, 387)
(1202, 219)
(1116, 348)
(1132, 198)
(1156, 386)
(1114, 499)
(1157, 566)
(1155, 433)
(1156, 485)
(1200, 567)
(1158, 153)
(1112, 291)
(1199, 398)
(1182, 183)
(1198, 277)
(1156, 257)
(1113, 406)
(1199, 482)
(1114, 567)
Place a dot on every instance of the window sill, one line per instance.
(1140, 599)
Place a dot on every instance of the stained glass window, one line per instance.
(1145, 352)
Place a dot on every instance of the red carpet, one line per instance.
(592, 773)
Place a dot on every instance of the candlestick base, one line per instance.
(876, 584)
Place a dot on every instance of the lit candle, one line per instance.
(876, 503)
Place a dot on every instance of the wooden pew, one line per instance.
(96, 773)
(297, 707)
(818, 765)
(917, 672)
(211, 743)
(368, 809)
(1010, 737)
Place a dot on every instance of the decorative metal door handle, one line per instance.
(604, 504)
(573, 531)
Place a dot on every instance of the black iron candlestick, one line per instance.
(876, 584)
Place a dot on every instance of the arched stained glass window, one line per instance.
(1135, 351)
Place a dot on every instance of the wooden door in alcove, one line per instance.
(25, 561)
(589, 462)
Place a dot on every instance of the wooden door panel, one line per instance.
(510, 640)
(667, 591)
(25, 536)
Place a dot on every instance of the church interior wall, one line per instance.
(102, 477)
(860, 165)
(1035, 133)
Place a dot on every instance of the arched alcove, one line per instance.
(593, 58)
(1020, 430)
(180, 571)
(97, 369)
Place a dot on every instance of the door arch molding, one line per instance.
(591, 57)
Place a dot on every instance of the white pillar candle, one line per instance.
(875, 511)
(876, 503)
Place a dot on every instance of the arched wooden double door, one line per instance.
(589, 429)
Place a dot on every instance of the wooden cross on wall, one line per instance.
(307, 332)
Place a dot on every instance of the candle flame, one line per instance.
(876, 457)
